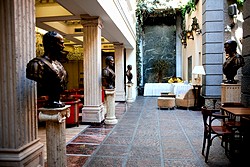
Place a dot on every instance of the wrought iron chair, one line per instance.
(212, 131)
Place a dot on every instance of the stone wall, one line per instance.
(159, 44)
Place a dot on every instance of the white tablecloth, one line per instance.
(155, 89)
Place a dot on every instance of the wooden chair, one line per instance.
(212, 131)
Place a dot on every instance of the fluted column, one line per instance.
(119, 72)
(93, 108)
(19, 143)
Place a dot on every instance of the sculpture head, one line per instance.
(230, 47)
(129, 67)
(109, 61)
(53, 44)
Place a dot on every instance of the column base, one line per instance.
(31, 155)
(120, 96)
(93, 114)
(111, 121)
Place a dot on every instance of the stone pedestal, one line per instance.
(129, 89)
(110, 106)
(230, 93)
(55, 134)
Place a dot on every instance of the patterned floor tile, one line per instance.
(145, 162)
(105, 162)
(95, 131)
(145, 137)
(81, 149)
(112, 150)
(76, 161)
(96, 139)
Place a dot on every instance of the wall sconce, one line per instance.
(184, 38)
(184, 42)
(195, 26)
(232, 12)
(190, 35)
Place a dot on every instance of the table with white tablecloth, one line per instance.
(155, 89)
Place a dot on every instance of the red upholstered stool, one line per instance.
(74, 112)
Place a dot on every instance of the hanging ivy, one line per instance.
(187, 9)
(240, 3)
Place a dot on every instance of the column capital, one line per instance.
(54, 114)
(87, 20)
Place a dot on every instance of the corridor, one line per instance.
(145, 137)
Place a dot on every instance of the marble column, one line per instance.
(110, 107)
(119, 72)
(55, 119)
(93, 107)
(19, 143)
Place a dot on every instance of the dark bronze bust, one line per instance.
(47, 71)
(108, 74)
(129, 74)
(233, 61)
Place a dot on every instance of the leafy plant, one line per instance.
(160, 67)
(240, 3)
(187, 9)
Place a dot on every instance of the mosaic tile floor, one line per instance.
(145, 137)
(82, 146)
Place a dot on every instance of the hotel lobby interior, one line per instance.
(178, 110)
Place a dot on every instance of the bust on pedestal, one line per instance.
(233, 62)
(51, 76)
(108, 81)
(230, 89)
(47, 70)
(129, 83)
